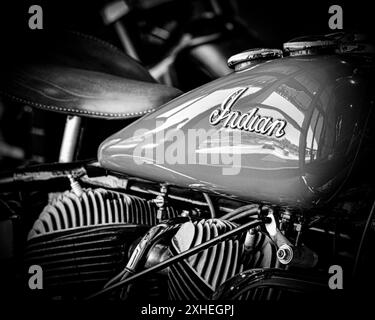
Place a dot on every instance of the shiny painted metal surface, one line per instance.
(325, 101)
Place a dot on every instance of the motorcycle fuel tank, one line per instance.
(285, 131)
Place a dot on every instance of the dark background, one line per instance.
(275, 22)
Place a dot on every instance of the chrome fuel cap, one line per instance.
(310, 45)
(243, 60)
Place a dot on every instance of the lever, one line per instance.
(287, 253)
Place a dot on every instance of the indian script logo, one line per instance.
(250, 121)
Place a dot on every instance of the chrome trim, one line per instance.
(242, 60)
(301, 45)
(70, 139)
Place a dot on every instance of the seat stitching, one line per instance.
(55, 108)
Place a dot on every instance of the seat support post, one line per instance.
(70, 139)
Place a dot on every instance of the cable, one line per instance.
(142, 248)
(182, 256)
(364, 233)
(210, 205)
(251, 212)
(115, 278)
(239, 210)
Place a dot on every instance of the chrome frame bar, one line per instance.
(70, 138)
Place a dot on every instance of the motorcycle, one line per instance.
(249, 187)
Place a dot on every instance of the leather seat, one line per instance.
(77, 74)
(84, 92)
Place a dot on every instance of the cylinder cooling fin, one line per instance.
(75, 262)
(82, 241)
(95, 207)
(198, 277)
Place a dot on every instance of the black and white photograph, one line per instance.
(193, 159)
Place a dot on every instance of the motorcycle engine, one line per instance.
(81, 241)
(84, 239)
